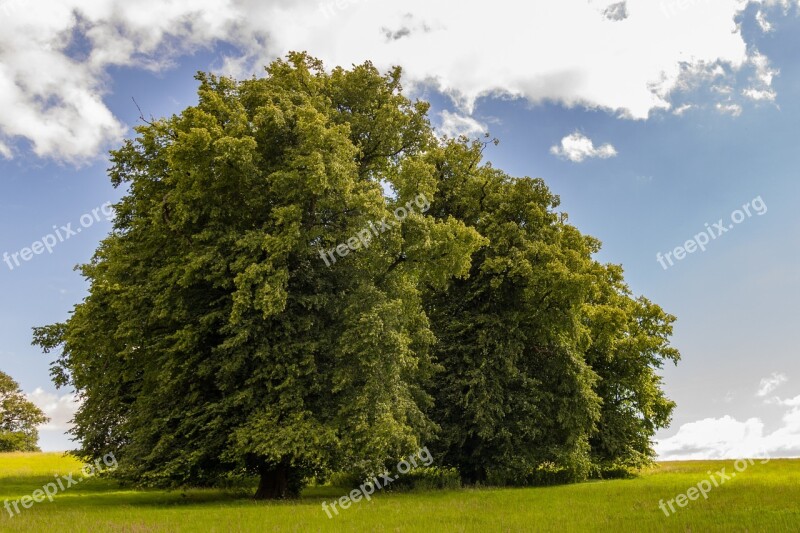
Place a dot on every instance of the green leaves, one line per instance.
(548, 360)
(215, 341)
(18, 418)
(214, 338)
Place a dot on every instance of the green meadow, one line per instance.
(762, 497)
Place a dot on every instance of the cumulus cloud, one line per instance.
(624, 57)
(576, 147)
(759, 95)
(761, 79)
(55, 56)
(763, 23)
(769, 384)
(731, 109)
(60, 409)
(713, 438)
(729, 438)
(454, 124)
(5, 151)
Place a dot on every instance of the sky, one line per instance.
(667, 128)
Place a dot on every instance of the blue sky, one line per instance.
(662, 133)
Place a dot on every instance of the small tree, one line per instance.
(18, 418)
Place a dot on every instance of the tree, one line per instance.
(549, 361)
(215, 339)
(18, 418)
(222, 336)
(630, 341)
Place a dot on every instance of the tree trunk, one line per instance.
(273, 483)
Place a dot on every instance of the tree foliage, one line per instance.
(550, 363)
(18, 418)
(215, 341)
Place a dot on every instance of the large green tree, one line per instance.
(19, 418)
(221, 338)
(550, 361)
(215, 338)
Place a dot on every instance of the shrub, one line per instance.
(18, 441)
(423, 478)
(427, 478)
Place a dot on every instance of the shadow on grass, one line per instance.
(106, 492)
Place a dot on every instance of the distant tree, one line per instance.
(18, 418)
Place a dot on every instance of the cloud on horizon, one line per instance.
(729, 438)
(60, 409)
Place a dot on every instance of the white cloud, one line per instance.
(713, 438)
(624, 57)
(454, 124)
(729, 438)
(763, 70)
(5, 151)
(730, 109)
(576, 147)
(791, 402)
(769, 384)
(762, 78)
(759, 95)
(60, 409)
(763, 23)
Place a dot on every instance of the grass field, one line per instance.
(762, 497)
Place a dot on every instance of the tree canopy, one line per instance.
(19, 418)
(217, 340)
(550, 362)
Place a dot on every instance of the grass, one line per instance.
(764, 497)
